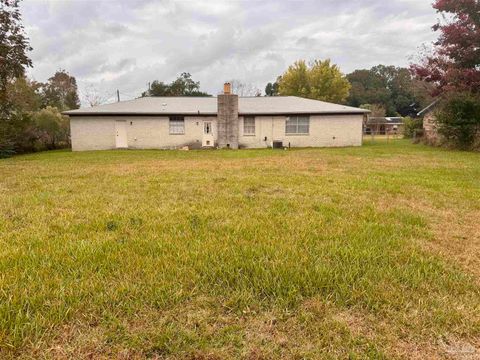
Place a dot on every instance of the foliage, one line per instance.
(377, 110)
(7, 147)
(319, 80)
(53, 128)
(272, 89)
(25, 94)
(17, 131)
(182, 86)
(458, 120)
(454, 64)
(120, 254)
(28, 128)
(22, 129)
(392, 87)
(14, 46)
(412, 126)
(61, 92)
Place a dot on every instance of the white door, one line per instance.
(121, 134)
(207, 140)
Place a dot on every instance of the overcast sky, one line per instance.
(124, 44)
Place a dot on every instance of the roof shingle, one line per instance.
(281, 105)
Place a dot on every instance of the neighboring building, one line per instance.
(225, 122)
(384, 126)
(429, 121)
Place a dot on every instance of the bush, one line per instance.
(7, 147)
(458, 120)
(52, 128)
(412, 127)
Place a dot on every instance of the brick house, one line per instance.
(227, 121)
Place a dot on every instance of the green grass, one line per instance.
(308, 253)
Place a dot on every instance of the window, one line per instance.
(177, 125)
(249, 125)
(297, 125)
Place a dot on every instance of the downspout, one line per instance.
(271, 139)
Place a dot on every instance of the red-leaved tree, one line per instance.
(454, 64)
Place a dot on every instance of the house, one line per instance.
(226, 121)
(430, 131)
(384, 126)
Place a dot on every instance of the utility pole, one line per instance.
(118, 95)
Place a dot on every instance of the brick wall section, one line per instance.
(227, 121)
(325, 131)
(152, 132)
(143, 132)
(92, 133)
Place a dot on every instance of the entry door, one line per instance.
(207, 140)
(121, 134)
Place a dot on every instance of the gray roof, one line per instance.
(208, 106)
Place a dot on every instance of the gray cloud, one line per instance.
(124, 44)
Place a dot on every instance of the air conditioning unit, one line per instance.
(278, 144)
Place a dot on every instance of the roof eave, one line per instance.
(89, 113)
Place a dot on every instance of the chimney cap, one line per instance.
(227, 88)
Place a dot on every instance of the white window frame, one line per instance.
(297, 125)
(249, 129)
(176, 125)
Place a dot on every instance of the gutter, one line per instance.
(208, 114)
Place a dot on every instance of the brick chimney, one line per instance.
(227, 118)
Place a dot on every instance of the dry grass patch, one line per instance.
(310, 253)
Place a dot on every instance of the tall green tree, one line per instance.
(392, 87)
(184, 85)
(320, 80)
(14, 46)
(61, 91)
(272, 89)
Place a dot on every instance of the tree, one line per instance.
(52, 127)
(24, 94)
(453, 67)
(60, 91)
(241, 88)
(368, 87)
(319, 80)
(93, 97)
(272, 89)
(182, 86)
(393, 87)
(295, 81)
(14, 46)
(377, 110)
(458, 120)
(454, 63)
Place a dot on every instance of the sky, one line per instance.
(124, 44)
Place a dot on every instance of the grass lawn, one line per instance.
(368, 252)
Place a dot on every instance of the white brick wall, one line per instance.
(98, 132)
(92, 133)
(153, 132)
(325, 131)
